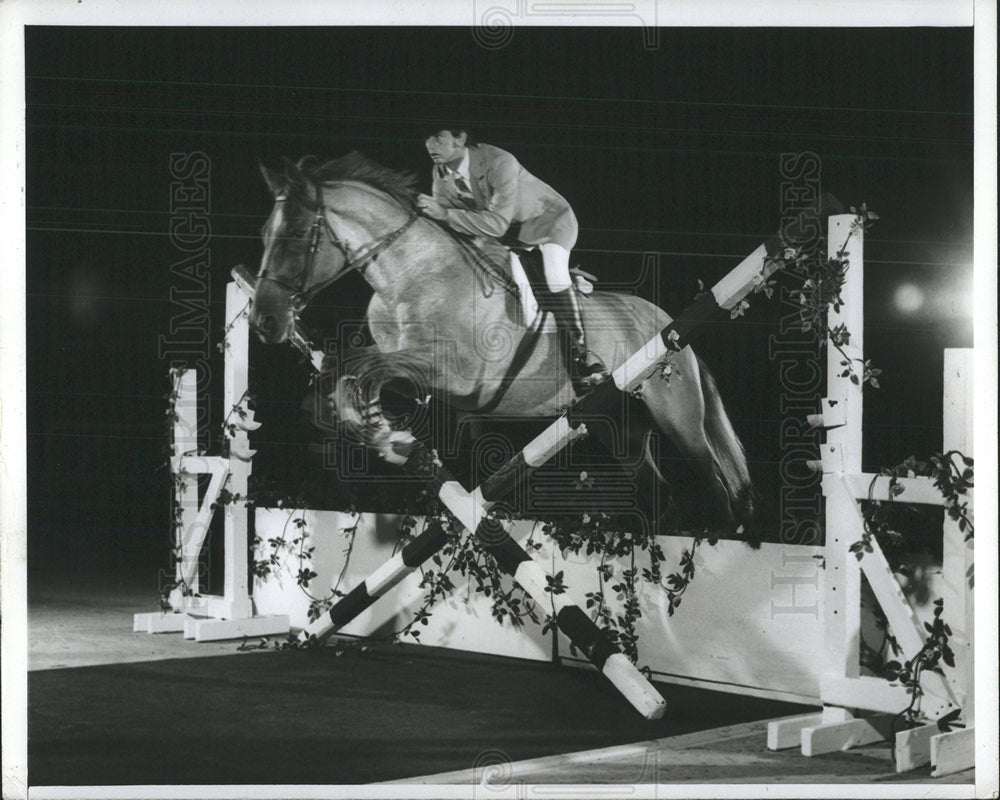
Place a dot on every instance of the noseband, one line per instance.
(300, 290)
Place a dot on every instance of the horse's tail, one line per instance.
(729, 452)
(650, 459)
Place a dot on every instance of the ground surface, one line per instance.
(110, 706)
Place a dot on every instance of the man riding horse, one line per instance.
(481, 190)
(436, 331)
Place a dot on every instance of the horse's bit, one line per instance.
(353, 260)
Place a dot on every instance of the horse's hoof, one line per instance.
(584, 384)
(396, 447)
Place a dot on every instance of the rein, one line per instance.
(358, 260)
(486, 271)
(489, 272)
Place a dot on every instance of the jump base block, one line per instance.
(158, 622)
(213, 630)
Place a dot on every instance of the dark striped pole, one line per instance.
(574, 623)
(471, 508)
(383, 579)
(712, 305)
(471, 511)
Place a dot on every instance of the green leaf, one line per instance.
(944, 723)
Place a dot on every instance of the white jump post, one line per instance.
(843, 689)
(230, 615)
(194, 517)
(954, 751)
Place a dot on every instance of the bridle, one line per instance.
(360, 259)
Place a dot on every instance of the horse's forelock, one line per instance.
(299, 187)
(310, 173)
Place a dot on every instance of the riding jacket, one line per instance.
(508, 202)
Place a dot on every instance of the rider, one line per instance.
(482, 190)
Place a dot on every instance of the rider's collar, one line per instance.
(463, 166)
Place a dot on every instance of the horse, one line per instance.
(436, 320)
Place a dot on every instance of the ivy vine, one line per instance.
(821, 292)
(952, 474)
(626, 560)
(935, 651)
(180, 479)
(465, 555)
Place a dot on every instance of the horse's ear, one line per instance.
(295, 178)
(276, 181)
(292, 171)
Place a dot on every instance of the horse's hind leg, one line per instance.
(677, 405)
(652, 497)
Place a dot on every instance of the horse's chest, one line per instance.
(394, 328)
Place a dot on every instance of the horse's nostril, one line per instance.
(267, 324)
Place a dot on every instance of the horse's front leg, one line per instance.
(358, 408)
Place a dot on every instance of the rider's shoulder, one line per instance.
(494, 155)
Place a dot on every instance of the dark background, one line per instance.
(671, 151)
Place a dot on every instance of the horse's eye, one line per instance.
(294, 233)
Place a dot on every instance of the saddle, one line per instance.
(519, 270)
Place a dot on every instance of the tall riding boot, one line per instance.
(584, 372)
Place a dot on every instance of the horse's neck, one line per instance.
(424, 257)
(425, 285)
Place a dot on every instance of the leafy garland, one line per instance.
(952, 474)
(935, 651)
(465, 557)
(822, 284)
(300, 548)
(465, 554)
(821, 292)
(180, 478)
(596, 534)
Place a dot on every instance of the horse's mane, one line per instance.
(302, 179)
(355, 167)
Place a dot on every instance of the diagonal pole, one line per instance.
(712, 305)
(391, 573)
(471, 508)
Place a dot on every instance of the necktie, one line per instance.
(463, 188)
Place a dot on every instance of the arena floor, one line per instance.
(110, 707)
